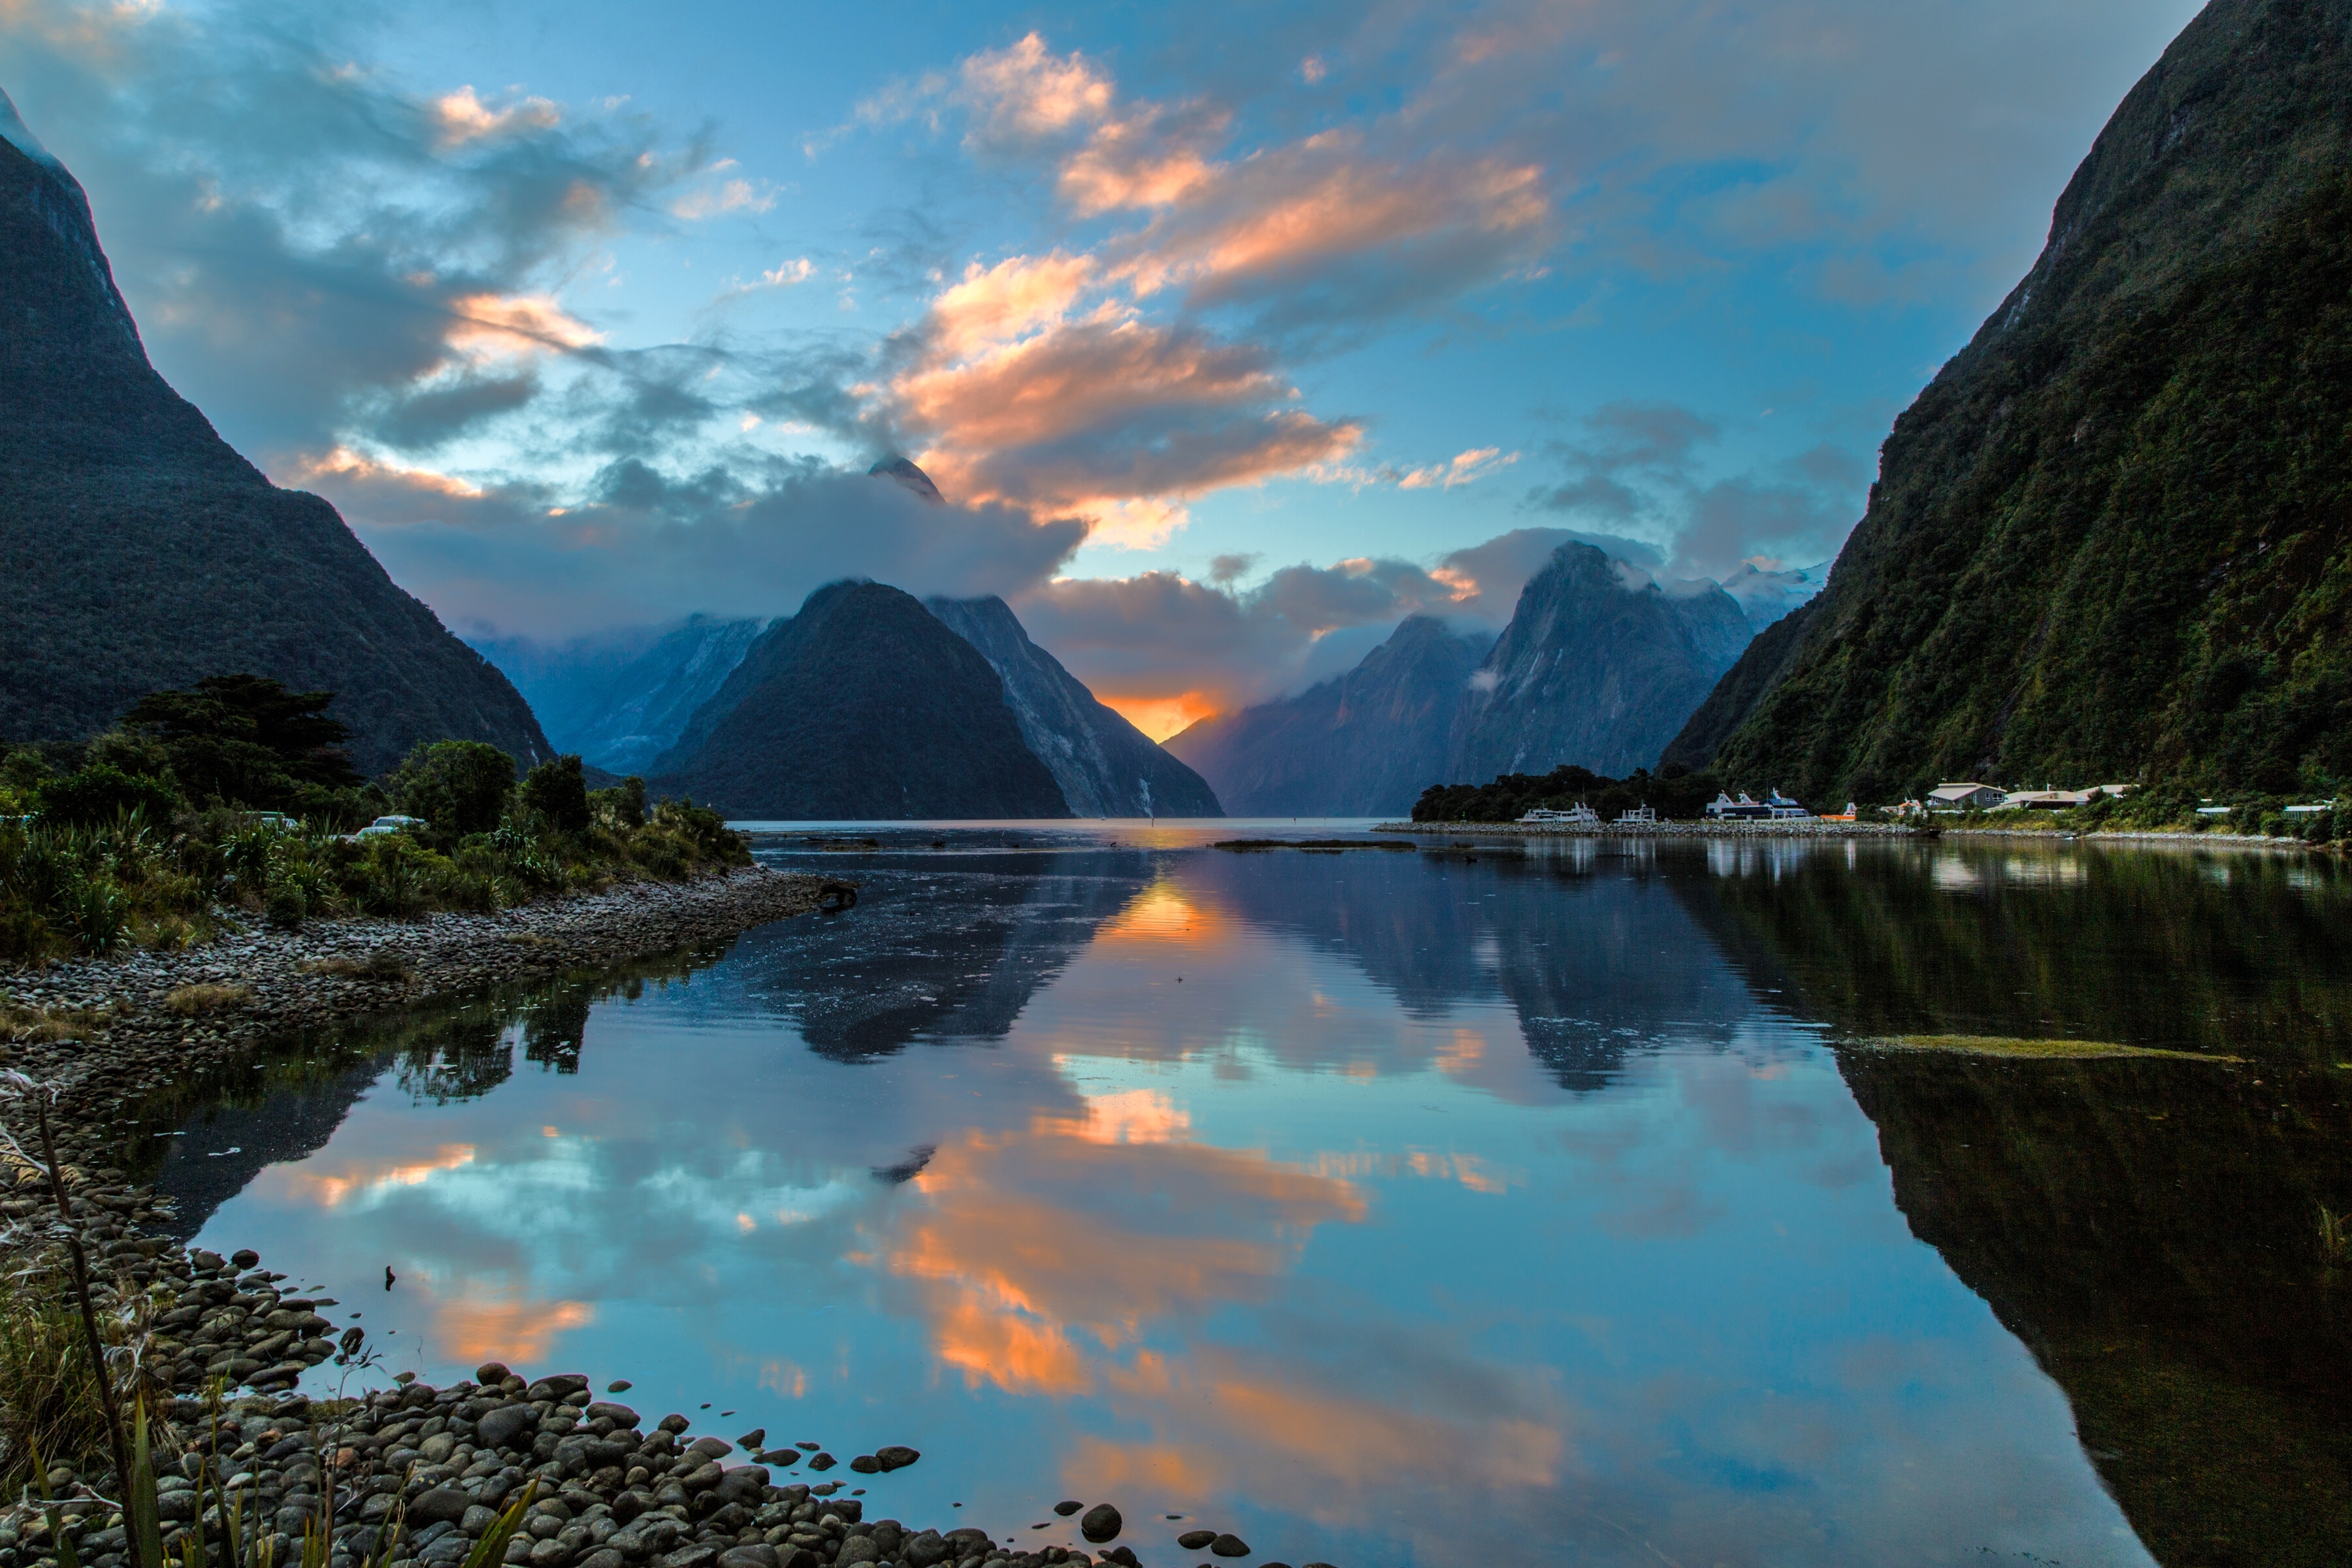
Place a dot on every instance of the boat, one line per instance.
(1579, 816)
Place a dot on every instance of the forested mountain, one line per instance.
(864, 705)
(2113, 538)
(139, 552)
(1106, 766)
(1365, 744)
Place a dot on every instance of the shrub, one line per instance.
(623, 807)
(457, 787)
(102, 792)
(286, 908)
(556, 791)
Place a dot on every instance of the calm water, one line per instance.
(1404, 1207)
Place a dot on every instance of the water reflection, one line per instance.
(1389, 1208)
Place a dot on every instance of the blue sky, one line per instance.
(1232, 333)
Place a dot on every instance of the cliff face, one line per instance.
(138, 550)
(1592, 671)
(863, 705)
(1105, 766)
(2110, 539)
(1364, 744)
(620, 700)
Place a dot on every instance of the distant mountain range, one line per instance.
(1365, 744)
(852, 708)
(2109, 540)
(621, 698)
(141, 551)
(1599, 668)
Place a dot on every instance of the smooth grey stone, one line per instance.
(759, 1556)
(1101, 1523)
(508, 1426)
(441, 1505)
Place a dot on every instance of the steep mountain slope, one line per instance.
(861, 706)
(1364, 744)
(1106, 766)
(2110, 539)
(139, 552)
(1593, 670)
(622, 698)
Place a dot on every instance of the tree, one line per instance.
(246, 740)
(457, 787)
(556, 791)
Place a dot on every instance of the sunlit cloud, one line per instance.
(310, 1182)
(462, 117)
(490, 325)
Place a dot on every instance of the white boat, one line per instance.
(1640, 816)
(1579, 816)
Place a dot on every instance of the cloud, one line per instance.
(650, 546)
(1023, 383)
(308, 244)
(1640, 467)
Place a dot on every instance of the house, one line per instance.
(2045, 799)
(1964, 797)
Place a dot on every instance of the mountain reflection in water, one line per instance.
(1398, 1208)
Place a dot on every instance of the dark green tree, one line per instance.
(456, 786)
(246, 740)
(556, 791)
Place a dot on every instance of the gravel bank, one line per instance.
(103, 1029)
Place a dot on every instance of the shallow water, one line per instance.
(1402, 1208)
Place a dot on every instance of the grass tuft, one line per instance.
(206, 996)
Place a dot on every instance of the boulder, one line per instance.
(1101, 1523)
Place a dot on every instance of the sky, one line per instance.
(1231, 334)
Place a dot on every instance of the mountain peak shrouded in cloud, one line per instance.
(904, 472)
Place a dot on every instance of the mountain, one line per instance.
(138, 550)
(862, 706)
(1599, 668)
(1766, 595)
(1105, 766)
(1364, 744)
(2110, 539)
(621, 698)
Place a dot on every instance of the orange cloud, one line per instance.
(518, 1333)
(1319, 203)
(1024, 91)
(307, 1182)
(1160, 717)
(345, 464)
(1010, 1271)
(506, 325)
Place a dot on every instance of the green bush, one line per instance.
(556, 791)
(456, 786)
(102, 792)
